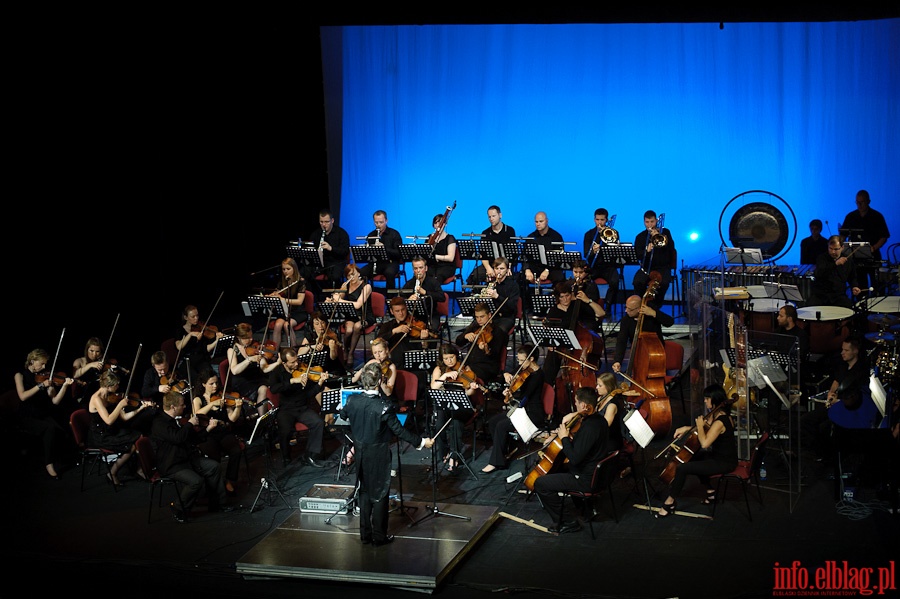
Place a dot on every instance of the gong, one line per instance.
(757, 223)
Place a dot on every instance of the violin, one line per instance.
(313, 373)
(113, 399)
(57, 379)
(386, 370)
(466, 376)
(417, 326)
(486, 334)
(268, 349)
(517, 382)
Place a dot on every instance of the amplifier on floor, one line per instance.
(327, 499)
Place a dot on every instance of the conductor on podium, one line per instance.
(373, 423)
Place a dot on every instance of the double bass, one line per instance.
(647, 367)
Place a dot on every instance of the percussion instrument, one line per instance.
(762, 311)
(881, 337)
(884, 320)
(827, 327)
(889, 304)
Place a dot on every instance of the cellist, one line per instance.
(715, 434)
(579, 454)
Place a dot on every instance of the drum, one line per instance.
(761, 313)
(827, 327)
(887, 304)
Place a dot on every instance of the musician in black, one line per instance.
(388, 238)
(426, 288)
(486, 344)
(499, 233)
(399, 332)
(567, 313)
(552, 241)
(373, 424)
(813, 246)
(869, 222)
(834, 274)
(297, 388)
(654, 248)
(334, 245)
(714, 434)
(653, 322)
(578, 457)
(594, 238)
(505, 292)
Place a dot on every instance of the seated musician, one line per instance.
(787, 326)
(292, 288)
(552, 241)
(503, 290)
(390, 239)
(400, 332)
(446, 375)
(834, 274)
(653, 321)
(297, 389)
(715, 435)
(850, 376)
(442, 264)
(594, 238)
(567, 313)
(222, 441)
(486, 344)
(318, 338)
(381, 356)
(356, 292)
(528, 396)
(578, 457)
(499, 233)
(426, 288)
(585, 289)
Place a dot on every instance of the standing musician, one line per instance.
(567, 313)
(528, 382)
(359, 293)
(594, 238)
(503, 287)
(249, 367)
(221, 441)
(35, 413)
(390, 240)
(372, 423)
(834, 274)
(579, 456)
(108, 415)
(293, 289)
(715, 434)
(442, 264)
(297, 389)
(499, 233)
(195, 344)
(425, 288)
(334, 247)
(654, 321)
(654, 248)
(486, 343)
(551, 240)
(448, 371)
(873, 227)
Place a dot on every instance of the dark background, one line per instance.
(159, 160)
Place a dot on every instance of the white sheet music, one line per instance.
(638, 428)
(524, 426)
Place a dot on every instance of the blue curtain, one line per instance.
(677, 118)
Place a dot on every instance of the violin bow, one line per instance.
(106, 347)
(208, 318)
(58, 346)
(636, 384)
(133, 366)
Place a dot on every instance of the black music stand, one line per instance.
(313, 358)
(269, 305)
(563, 259)
(545, 336)
(223, 343)
(512, 250)
(420, 359)
(332, 402)
(369, 253)
(786, 292)
(416, 307)
(338, 312)
(267, 482)
(851, 234)
(541, 303)
(469, 249)
(620, 255)
(467, 304)
(305, 254)
(408, 251)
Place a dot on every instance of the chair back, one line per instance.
(443, 308)
(674, 262)
(223, 374)
(379, 305)
(758, 453)
(80, 423)
(146, 457)
(406, 386)
(548, 398)
(674, 358)
(603, 471)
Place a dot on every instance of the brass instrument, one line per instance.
(658, 239)
(609, 235)
(486, 291)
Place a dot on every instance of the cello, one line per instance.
(690, 444)
(582, 373)
(550, 452)
(647, 367)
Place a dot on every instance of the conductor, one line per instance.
(372, 424)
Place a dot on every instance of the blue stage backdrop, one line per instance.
(676, 118)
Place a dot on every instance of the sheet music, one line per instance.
(638, 428)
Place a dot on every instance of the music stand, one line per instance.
(467, 304)
(267, 482)
(469, 249)
(621, 254)
(511, 250)
(369, 253)
(545, 336)
(851, 234)
(416, 307)
(270, 305)
(416, 359)
(785, 292)
(408, 251)
(338, 312)
(223, 343)
(313, 358)
(642, 434)
(743, 256)
(541, 303)
(861, 250)
(563, 259)
(308, 255)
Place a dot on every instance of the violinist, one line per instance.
(400, 331)
(552, 241)
(381, 357)
(156, 383)
(715, 433)
(86, 369)
(426, 288)
(653, 322)
(567, 313)
(582, 434)
(39, 393)
(334, 246)
(293, 289)
(359, 293)
(526, 387)
(655, 249)
(390, 239)
(503, 288)
(221, 442)
(835, 275)
(319, 337)
(195, 344)
(108, 412)
(486, 344)
(451, 371)
(601, 234)
(249, 367)
(442, 264)
(297, 388)
(611, 406)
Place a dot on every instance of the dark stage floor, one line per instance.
(99, 541)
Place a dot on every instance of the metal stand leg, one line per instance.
(267, 483)
(433, 510)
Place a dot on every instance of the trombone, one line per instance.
(657, 240)
(607, 235)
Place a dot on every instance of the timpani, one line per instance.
(827, 326)
(761, 313)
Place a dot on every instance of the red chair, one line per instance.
(406, 390)
(443, 310)
(309, 302)
(168, 347)
(674, 368)
(601, 479)
(80, 423)
(457, 276)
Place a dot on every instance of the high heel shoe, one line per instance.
(710, 497)
(110, 480)
(669, 509)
